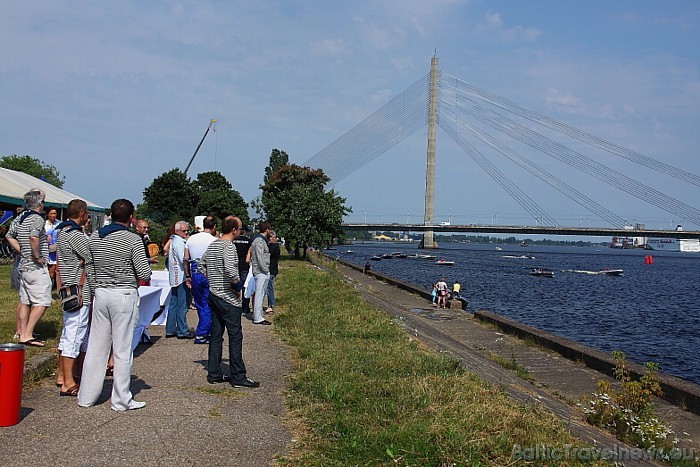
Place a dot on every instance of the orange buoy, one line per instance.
(648, 259)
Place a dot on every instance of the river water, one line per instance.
(652, 312)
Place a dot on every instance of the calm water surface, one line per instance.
(652, 312)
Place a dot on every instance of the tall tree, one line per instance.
(300, 209)
(218, 198)
(170, 197)
(33, 167)
(277, 159)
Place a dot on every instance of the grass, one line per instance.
(50, 325)
(363, 392)
(48, 328)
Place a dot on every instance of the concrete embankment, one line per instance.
(677, 391)
(557, 373)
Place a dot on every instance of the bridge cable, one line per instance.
(576, 133)
(535, 170)
(516, 193)
(577, 160)
(392, 123)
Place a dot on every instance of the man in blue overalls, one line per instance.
(194, 249)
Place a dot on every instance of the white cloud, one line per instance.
(563, 101)
(494, 25)
(333, 48)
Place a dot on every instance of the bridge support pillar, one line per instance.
(429, 218)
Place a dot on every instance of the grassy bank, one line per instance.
(48, 328)
(365, 393)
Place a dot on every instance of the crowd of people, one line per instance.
(97, 279)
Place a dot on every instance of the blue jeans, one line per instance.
(271, 291)
(176, 322)
(228, 316)
(200, 294)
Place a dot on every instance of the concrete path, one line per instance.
(186, 421)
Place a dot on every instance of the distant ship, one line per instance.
(688, 245)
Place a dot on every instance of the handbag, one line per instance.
(71, 298)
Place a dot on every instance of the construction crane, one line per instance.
(212, 124)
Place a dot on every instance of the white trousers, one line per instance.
(114, 317)
(75, 325)
(260, 291)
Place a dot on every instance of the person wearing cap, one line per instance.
(176, 322)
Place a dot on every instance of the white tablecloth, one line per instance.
(153, 299)
(161, 280)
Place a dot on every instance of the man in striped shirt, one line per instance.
(119, 262)
(220, 265)
(28, 237)
(73, 257)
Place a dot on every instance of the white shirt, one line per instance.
(198, 244)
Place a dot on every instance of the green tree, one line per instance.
(299, 208)
(170, 197)
(218, 198)
(33, 167)
(277, 159)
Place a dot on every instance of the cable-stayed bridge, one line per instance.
(470, 115)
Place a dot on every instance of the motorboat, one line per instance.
(443, 262)
(387, 256)
(605, 272)
(498, 248)
(426, 256)
(375, 258)
(539, 272)
(398, 254)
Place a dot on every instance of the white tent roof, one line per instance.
(13, 186)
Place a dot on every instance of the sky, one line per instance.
(113, 94)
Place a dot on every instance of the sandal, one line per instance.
(72, 391)
(33, 342)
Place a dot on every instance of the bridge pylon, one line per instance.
(428, 240)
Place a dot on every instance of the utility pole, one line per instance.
(429, 217)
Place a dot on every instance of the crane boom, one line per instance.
(212, 123)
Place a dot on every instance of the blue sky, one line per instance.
(115, 93)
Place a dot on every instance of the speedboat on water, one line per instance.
(606, 272)
(443, 262)
(375, 258)
(611, 272)
(539, 272)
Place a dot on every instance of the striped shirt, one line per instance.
(26, 225)
(119, 260)
(220, 265)
(73, 258)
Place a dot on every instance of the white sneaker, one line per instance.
(133, 405)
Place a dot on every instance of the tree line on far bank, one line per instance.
(294, 200)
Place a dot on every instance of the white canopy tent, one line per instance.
(13, 186)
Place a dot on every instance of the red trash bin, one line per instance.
(11, 376)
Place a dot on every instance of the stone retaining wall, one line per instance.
(676, 390)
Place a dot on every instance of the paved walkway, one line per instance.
(186, 421)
